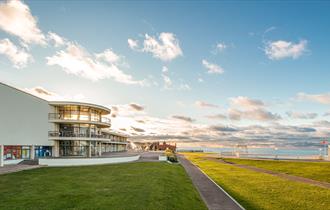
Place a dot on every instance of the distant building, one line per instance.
(32, 127)
(156, 146)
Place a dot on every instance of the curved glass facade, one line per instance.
(72, 137)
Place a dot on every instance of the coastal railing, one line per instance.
(269, 156)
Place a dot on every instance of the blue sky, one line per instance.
(212, 73)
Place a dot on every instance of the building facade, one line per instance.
(32, 127)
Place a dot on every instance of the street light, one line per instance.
(276, 153)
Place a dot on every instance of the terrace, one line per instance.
(87, 134)
(78, 116)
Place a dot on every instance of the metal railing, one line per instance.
(82, 135)
(75, 134)
(76, 116)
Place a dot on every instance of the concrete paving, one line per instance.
(150, 156)
(214, 197)
(15, 168)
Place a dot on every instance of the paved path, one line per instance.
(282, 175)
(15, 168)
(214, 197)
(149, 156)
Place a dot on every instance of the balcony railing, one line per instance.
(82, 135)
(76, 116)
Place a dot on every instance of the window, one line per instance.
(12, 152)
(42, 151)
(73, 148)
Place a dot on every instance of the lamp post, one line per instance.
(320, 149)
(276, 157)
(324, 143)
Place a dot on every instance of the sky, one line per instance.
(199, 73)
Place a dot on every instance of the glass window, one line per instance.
(43, 151)
(25, 152)
(12, 152)
(73, 148)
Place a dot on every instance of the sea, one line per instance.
(284, 153)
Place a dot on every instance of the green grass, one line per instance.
(118, 186)
(255, 190)
(319, 171)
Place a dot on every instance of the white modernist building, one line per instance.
(33, 128)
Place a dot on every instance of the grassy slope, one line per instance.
(262, 191)
(314, 170)
(120, 186)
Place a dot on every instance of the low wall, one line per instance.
(12, 162)
(162, 158)
(85, 161)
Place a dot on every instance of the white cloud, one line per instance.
(184, 129)
(136, 107)
(326, 114)
(76, 60)
(16, 19)
(200, 80)
(203, 104)
(184, 86)
(18, 56)
(272, 28)
(246, 103)
(166, 48)
(109, 56)
(56, 39)
(300, 115)
(220, 47)
(212, 68)
(250, 109)
(52, 96)
(320, 98)
(280, 49)
(154, 128)
(133, 44)
(216, 117)
(255, 114)
(183, 118)
(164, 69)
(167, 82)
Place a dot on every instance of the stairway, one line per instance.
(29, 162)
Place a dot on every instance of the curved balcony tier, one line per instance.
(56, 135)
(76, 118)
(103, 110)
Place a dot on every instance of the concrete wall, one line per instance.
(12, 162)
(23, 118)
(85, 161)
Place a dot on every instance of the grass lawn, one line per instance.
(319, 171)
(256, 190)
(119, 186)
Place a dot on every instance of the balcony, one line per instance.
(76, 117)
(76, 135)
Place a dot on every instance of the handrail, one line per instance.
(60, 116)
(81, 135)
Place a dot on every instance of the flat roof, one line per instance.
(104, 109)
(22, 91)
